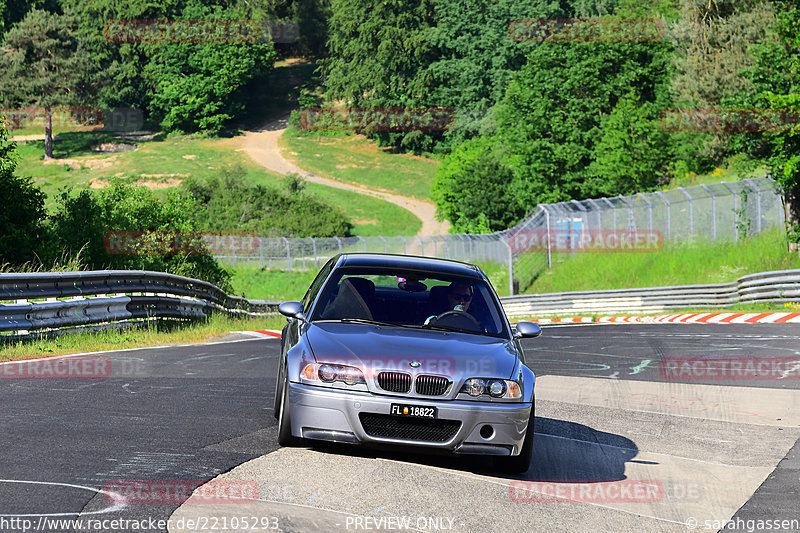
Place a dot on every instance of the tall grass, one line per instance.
(261, 284)
(676, 264)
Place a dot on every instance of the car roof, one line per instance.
(410, 262)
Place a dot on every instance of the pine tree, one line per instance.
(42, 64)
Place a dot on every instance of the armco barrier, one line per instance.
(778, 286)
(47, 301)
(55, 300)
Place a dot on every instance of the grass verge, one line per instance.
(260, 284)
(161, 333)
(676, 264)
(355, 159)
(163, 163)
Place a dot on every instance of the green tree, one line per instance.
(378, 55)
(203, 86)
(42, 64)
(551, 117)
(477, 56)
(22, 211)
(633, 151)
(12, 11)
(776, 86)
(83, 221)
(713, 41)
(471, 188)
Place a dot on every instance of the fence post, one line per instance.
(547, 218)
(735, 207)
(314, 247)
(613, 213)
(288, 254)
(384, 242)
(421, 246)
(752, 184)
(691, 213)
(404, 246)
(666, 202)
(261, 251)
(599, 218)
(339, 242)
(363, 243)
(713, 211)
(631, 220)
(649, 212)
(510, 266)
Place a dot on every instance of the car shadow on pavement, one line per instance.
(574, 453)
(563, 452)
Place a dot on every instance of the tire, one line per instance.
(285, 437)
(519, 464)
(278, 393)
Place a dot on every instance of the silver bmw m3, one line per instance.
(407, 352)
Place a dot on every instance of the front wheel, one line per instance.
(519, 464)
(276, 406)
(285, 437)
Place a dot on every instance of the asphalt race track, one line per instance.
(621, 444)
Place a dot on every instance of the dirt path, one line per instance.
(262, 147)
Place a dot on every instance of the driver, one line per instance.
(459, 294)
(458, 298)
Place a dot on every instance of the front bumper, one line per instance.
(330, 414)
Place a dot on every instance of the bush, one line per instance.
(472, 188)
(229, 203)
(83, 220)
(22, 211)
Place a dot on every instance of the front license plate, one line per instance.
(414, 411)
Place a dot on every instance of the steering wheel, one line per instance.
(457, 319)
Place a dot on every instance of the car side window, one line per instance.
(316, 285)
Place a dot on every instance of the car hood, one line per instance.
(381, 348)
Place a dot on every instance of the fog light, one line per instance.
(487, 432)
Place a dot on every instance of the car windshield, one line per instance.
(411, 299)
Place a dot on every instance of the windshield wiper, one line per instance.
(361, 321)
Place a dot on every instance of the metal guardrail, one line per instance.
(778, 286)
(55, 300)
(52, 301)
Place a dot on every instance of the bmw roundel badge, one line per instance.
(414, 364)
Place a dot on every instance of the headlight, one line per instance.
(496, 388)
(318, 373)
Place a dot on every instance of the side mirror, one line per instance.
(527, 329)
(292, 310)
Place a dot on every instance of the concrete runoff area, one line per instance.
(608, 455)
